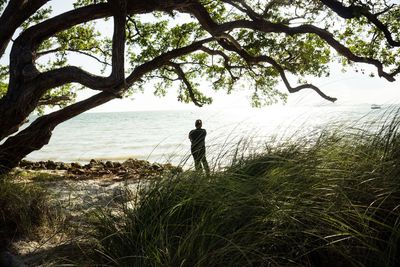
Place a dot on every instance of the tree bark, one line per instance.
(15, 13)
(38, 134)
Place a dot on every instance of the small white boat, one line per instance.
(375, 106)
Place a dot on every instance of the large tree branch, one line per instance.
(15, 13)
(217, 52)
(59, 49)
(32, 37)
(38, 134)
(118, 42)
(242, 6)
(328, 37)
(164, 59)
(72, 74)
(355, 11)
(219, 31)
(77, 108)
(23, 53)
(229, 43)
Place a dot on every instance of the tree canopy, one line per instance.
(177, 44)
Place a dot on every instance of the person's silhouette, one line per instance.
(198, 148)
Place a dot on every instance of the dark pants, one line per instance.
(200, 161)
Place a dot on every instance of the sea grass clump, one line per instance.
(332, 201)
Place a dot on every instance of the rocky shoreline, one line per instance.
(129, 169)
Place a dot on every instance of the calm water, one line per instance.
(161, 136)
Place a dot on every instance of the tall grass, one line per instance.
(23, 207)
(330, 201)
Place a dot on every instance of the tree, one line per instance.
(228, 42)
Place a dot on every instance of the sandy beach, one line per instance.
(75, 193)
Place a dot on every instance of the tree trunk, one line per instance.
(17, 147)
(14, 110)
(38, 134)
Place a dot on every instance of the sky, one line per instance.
(350, 88)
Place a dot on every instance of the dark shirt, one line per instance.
(197, 137)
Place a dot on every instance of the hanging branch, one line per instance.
(224, 56)
(187, 83)
(355, 11)
(257, 59)
(219, 31)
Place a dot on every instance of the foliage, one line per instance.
(332, 201)
(80, 3)
(153, 34)
(84, 39)
(365, 40)
(39, 16)
(3, 80)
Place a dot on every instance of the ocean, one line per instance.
(162, 136)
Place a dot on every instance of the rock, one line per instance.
(94, 162)
(64, 166)
(24, 163)
(50, 165)
(129, 169)
(76, 165)
(36, 166)
(130, 163)
(109, 164)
